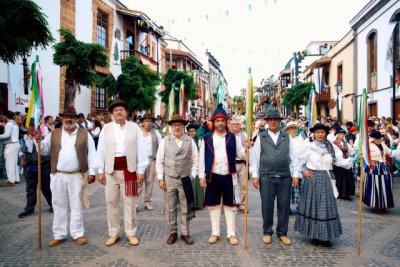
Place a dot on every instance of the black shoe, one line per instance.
(326, 244)
(315, 242)
(25, 214)
(51, 209)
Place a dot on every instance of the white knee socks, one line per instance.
(230, 215)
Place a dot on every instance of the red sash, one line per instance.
(131, 186)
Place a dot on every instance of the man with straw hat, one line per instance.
(177, 164)
(217, 172)
(72, 154)
(121, 161)
(273, 163)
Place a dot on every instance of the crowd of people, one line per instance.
(199, 164)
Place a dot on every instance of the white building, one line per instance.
(109, 23)
(373, 27)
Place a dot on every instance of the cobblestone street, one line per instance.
(18, 239)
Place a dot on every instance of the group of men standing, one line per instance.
(128, 157)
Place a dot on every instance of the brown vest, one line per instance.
(178, 161)
(81, 148)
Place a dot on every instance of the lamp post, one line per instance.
(338, 87)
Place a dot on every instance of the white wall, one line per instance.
(380, 22)
(83, 32)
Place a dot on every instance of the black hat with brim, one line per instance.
(340, 131)
(148, 116)
(273, 114)
(375, 135)
(118, 103)
(320, 126)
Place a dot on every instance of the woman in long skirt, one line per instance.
(198, 191)
(344, 177)
(317, 212)
(378, 179)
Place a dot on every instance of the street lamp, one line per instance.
(338, 87)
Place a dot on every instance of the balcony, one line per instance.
(151, 64)
(325, 95)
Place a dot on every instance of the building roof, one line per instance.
(184, 54)
(366, 12)
(317, 63)
(139, 15)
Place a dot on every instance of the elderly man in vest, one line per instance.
(72, 155)
(217, 172)
(121, 161)
(177, 164)
(273, 163)
(240, 162)
(151, 139)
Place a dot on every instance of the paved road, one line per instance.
(18, 239)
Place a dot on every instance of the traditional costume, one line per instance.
(121, 155)
(344, 177)
(11, 150)
(177, 164)
(71, 157)
(241, 169)
(274, 162)
(218, 167)
(317, 213)
(151, 141)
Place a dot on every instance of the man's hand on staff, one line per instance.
(91, 179)
(102, 178)
(162, 185)
(203, 182)
(256, 182)
(140, 177)
(38, 135)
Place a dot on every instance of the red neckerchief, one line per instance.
(344, 148)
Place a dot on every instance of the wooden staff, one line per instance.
(360, 207)
(246, 199)
(39, 193)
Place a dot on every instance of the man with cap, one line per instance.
(217, 172)
(274, 168)
(151, 139)
(121, 161)
(177, 164)
(72, 155)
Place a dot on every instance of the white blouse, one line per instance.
(317, 158)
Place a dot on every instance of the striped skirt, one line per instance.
(378, 186)
(317, 212)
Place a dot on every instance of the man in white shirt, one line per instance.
(121, 161)
(49, 125)
(151, 139)
(177, 164)
(11, 150)
(273, 163)
(72, 155)
(240, 162)
(217, 172)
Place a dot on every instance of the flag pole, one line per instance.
(39, 193)
(360, 207)
(246, 199)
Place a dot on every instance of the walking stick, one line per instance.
(360, 207)
(246, 199)
(39, 194)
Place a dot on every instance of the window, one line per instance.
(100, 99)
(102, 24)
(372, 62)
(340, 74)
(129, 43)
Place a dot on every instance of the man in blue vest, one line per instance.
(273, 163)
(217, 172)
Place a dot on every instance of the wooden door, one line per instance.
(373, 110)
(3, 97)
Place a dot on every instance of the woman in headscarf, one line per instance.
(378, 179)
(198, 191)
(317, 212)
(344, 177)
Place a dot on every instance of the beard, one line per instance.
(69, 125)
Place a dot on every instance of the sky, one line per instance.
(257, 34)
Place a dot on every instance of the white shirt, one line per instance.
(161, 154)
(11, 129)
(239, 143)
(331, 137)
(68, 159)
(220, 165)
(148, 141)
(119, 135)
(96, 132)
(255, 154)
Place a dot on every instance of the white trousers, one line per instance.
(11, 156)
(115, 187)
(230, 216)
(67, 188)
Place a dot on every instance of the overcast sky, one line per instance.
(261, 34)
